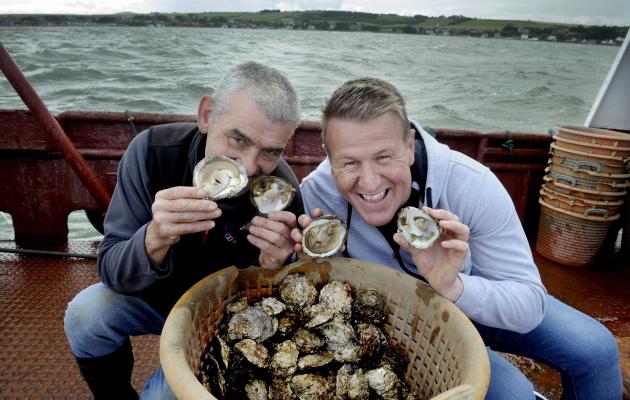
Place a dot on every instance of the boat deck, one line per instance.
(35, 360)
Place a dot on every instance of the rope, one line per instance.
(509, 143)
(47, 253)
(130, 119)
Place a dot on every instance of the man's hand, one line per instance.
(296, 234)
(440, 263)
(177, 211)
(272, 235)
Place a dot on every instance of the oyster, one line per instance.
(324, 236)
(315, 360)
(307, 341)
(287, 323)
(352, 385)
(280, 389)
(369, 307)
(254, 352)
(313, 387)
(338, 334)
(284, 361)
(350, 353)
(372, 339)
(272, 306)
(252, 323)
(384, 382)
(271, 193)
(219, 177)
(318, 314)
(212, 376)
(256, 389)
(418, 228)
(237, 305)
(297, 291)
(337, 296)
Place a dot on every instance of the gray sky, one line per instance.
(599, 12)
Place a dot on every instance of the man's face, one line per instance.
(244, 133)
(370, 163)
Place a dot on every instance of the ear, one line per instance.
(411, 146)
(204, 111)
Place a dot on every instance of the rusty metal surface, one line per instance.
(44, 189)
(53, 129)
(35, 359)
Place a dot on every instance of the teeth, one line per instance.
(374, 197)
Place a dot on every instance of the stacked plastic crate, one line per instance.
(583, 193)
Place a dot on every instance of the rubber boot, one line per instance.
(109, 376)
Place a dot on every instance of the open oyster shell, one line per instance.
(324, 236)
(418, 228)
(271, 193)
(220, 177)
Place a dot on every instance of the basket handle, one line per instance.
(561, 178)
(581, 165)
(598, 212)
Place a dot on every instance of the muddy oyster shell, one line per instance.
(219, 177)
(284, 361)
(256, 389)
(337, 295)
(307, 341)
(324, 236)
(315, 387)
(384, 382)
(418, 228)
(315, 360)
(271, 193)
(297, 291)
(255, 352)
(251, 323)
(369, 306)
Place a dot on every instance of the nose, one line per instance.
(249, 160)
(369, 178)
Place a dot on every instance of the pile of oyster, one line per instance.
(305, 345)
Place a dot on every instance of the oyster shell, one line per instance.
(284, 361)
(255, 352)
(337, 334)
(219, 177)
(318, 314)
(287, 323)
(372, 340)
(252, 323)
(297, 291)
(280, 389)
(272, 306)
(384, 382)
(418, 228)
(369, 307)
(271, 193)
(337, 296)
(315, 360)
(324, 236)
(313, 387)
(256, 389)
(237, 305)
(307, 341)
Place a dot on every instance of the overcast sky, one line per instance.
(599, 12)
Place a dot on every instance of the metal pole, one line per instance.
(56, 132)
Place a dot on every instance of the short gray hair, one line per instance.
(363, 99)
(266, 86)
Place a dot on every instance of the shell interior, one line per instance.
(219, 177)
(418, 228)
(324, 236)
(271, 193)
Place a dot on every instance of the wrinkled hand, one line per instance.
(440, 264)
(272, 235)
(177, 211)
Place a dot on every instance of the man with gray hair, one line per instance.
(162, 235)
(379, 162)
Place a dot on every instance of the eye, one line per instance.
(235, 140)
(382, 158)
(272, 154)
(350, 164)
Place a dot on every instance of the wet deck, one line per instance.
(35, 360)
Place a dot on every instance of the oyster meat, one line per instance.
(324, 236)
(219, 177)
(271, 193)
(418, 228)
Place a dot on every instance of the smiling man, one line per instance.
(162, 235)
(379, 162)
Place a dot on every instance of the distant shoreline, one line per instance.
(454, 25)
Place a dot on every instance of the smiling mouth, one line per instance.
(374, 198)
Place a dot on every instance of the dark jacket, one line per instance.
(163, 157)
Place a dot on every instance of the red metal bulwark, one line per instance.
(41, 189)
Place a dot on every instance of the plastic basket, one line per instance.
(600, 195)
(587, 179)
(604, 137)
(558, 148)
(570, 238)
(580, 206)
(623, 152)
(447, 357)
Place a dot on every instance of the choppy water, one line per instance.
(454, 82)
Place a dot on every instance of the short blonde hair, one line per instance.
(363, 99)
